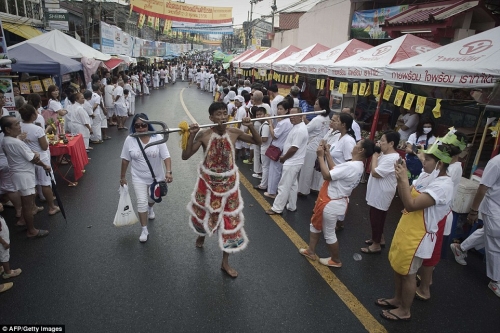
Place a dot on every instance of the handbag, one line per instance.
(156, 189)
(273, 152)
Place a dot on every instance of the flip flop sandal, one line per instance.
(272, 212)
(393, 316)
(420, 297)
(367, 250)
(382, 302)
(306, 254)
(41, 233)
(370, 242)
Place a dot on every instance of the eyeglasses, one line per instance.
(140, 125)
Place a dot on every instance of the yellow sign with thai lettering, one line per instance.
(182, 12)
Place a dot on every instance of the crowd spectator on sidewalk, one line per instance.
(408, 124)
(421, 139)
(275, 98)
(355, 126)
(266, 139)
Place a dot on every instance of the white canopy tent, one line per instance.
(269, 60)
(319, 64)
(237, 63)
(287, 65)
(63, 44)
(249, 62)
(370, 64)
(473, 62)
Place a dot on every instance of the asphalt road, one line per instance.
(94, 277)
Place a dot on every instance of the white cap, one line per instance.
(240, 98)
(231, 95)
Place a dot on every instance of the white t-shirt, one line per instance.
(345, 178)
(421, 141)
(411, 121)
(88, 108)
(357, 130)
(265, 133)
(331, 137)
(441, 190)
(33, 133)
(54, 105)
(281, 131)
(240, 114)
(119, 92)
(296, 138)
(139, 168)
(274, 104)
(317, 128)
(491, 178)
(341, 149)
(19, 157)
(40, 119)
(381, 191)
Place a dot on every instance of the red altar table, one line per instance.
(75, 149)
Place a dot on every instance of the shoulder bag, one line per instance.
(156, 189)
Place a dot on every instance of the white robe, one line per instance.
(79, 119)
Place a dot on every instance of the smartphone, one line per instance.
(400, 161)
(414, 148)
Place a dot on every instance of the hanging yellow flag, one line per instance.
(296, 78)
(157, 24)
(317, 84)
(368, 91)
(291, 78)
(36, 86)
(399, 97)
(151, 22)
(355, 88)
(322, 86)
(376, 87)
(46, 84)
(409, 101)
(437, 109)
(420, 104)
(142, 19)
(343, 87)
(388, 92)
(332, 84)
(362, 88)
(25, 87)
(286, 78)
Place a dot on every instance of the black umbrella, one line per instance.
(58, 197)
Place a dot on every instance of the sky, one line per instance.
(242, 7)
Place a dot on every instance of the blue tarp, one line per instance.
(36, 59)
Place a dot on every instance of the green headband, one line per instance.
(434, 150)
(451, 139)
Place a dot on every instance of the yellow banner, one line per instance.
(355, 88)
(332, 84)
(157, 24)
(409, 101)
(362, 88)
(420, 104)
(368, 89)
(151, 22)
(36, 86)
(388, 92)
(376, 87)
(167, 27)
(437, 109)
(47, 82)
(399, 97)
(343, 87)
(24, 87)
(296, 78)
(317, 83)
(183, 12)
(142, 19)
(322, 84)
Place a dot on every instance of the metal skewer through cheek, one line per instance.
(166, 131)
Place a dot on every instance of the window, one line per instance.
(12, 7)
(29, 9)
(3, 6)
(20, 8)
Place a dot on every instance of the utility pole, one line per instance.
(250, 25)
(274, 8)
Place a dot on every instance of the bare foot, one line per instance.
(54, 211)
(229, 271)
(199, 241)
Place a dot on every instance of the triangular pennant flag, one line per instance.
(362, 88)
(388, 92)
(437, 109)
(376, 87)
(355, 88)
(420, 104)
(409, 101)
(399, 97)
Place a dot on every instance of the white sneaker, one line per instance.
(151, 213)
(144, 236)
(495, 287)
(256, 175)
(459, 254)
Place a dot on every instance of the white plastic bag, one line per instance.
(125, 214)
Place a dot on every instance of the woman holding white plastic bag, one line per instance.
(141, 175)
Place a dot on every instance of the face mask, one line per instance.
(427, 130)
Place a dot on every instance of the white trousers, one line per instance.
(492, 246)
(331, 212)
(307, 172)
(143, 198)
(132, 107)
(265, 169)
(257, 166)
(287, 188)
(96, 128)
(275, 169)
(475, 240)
